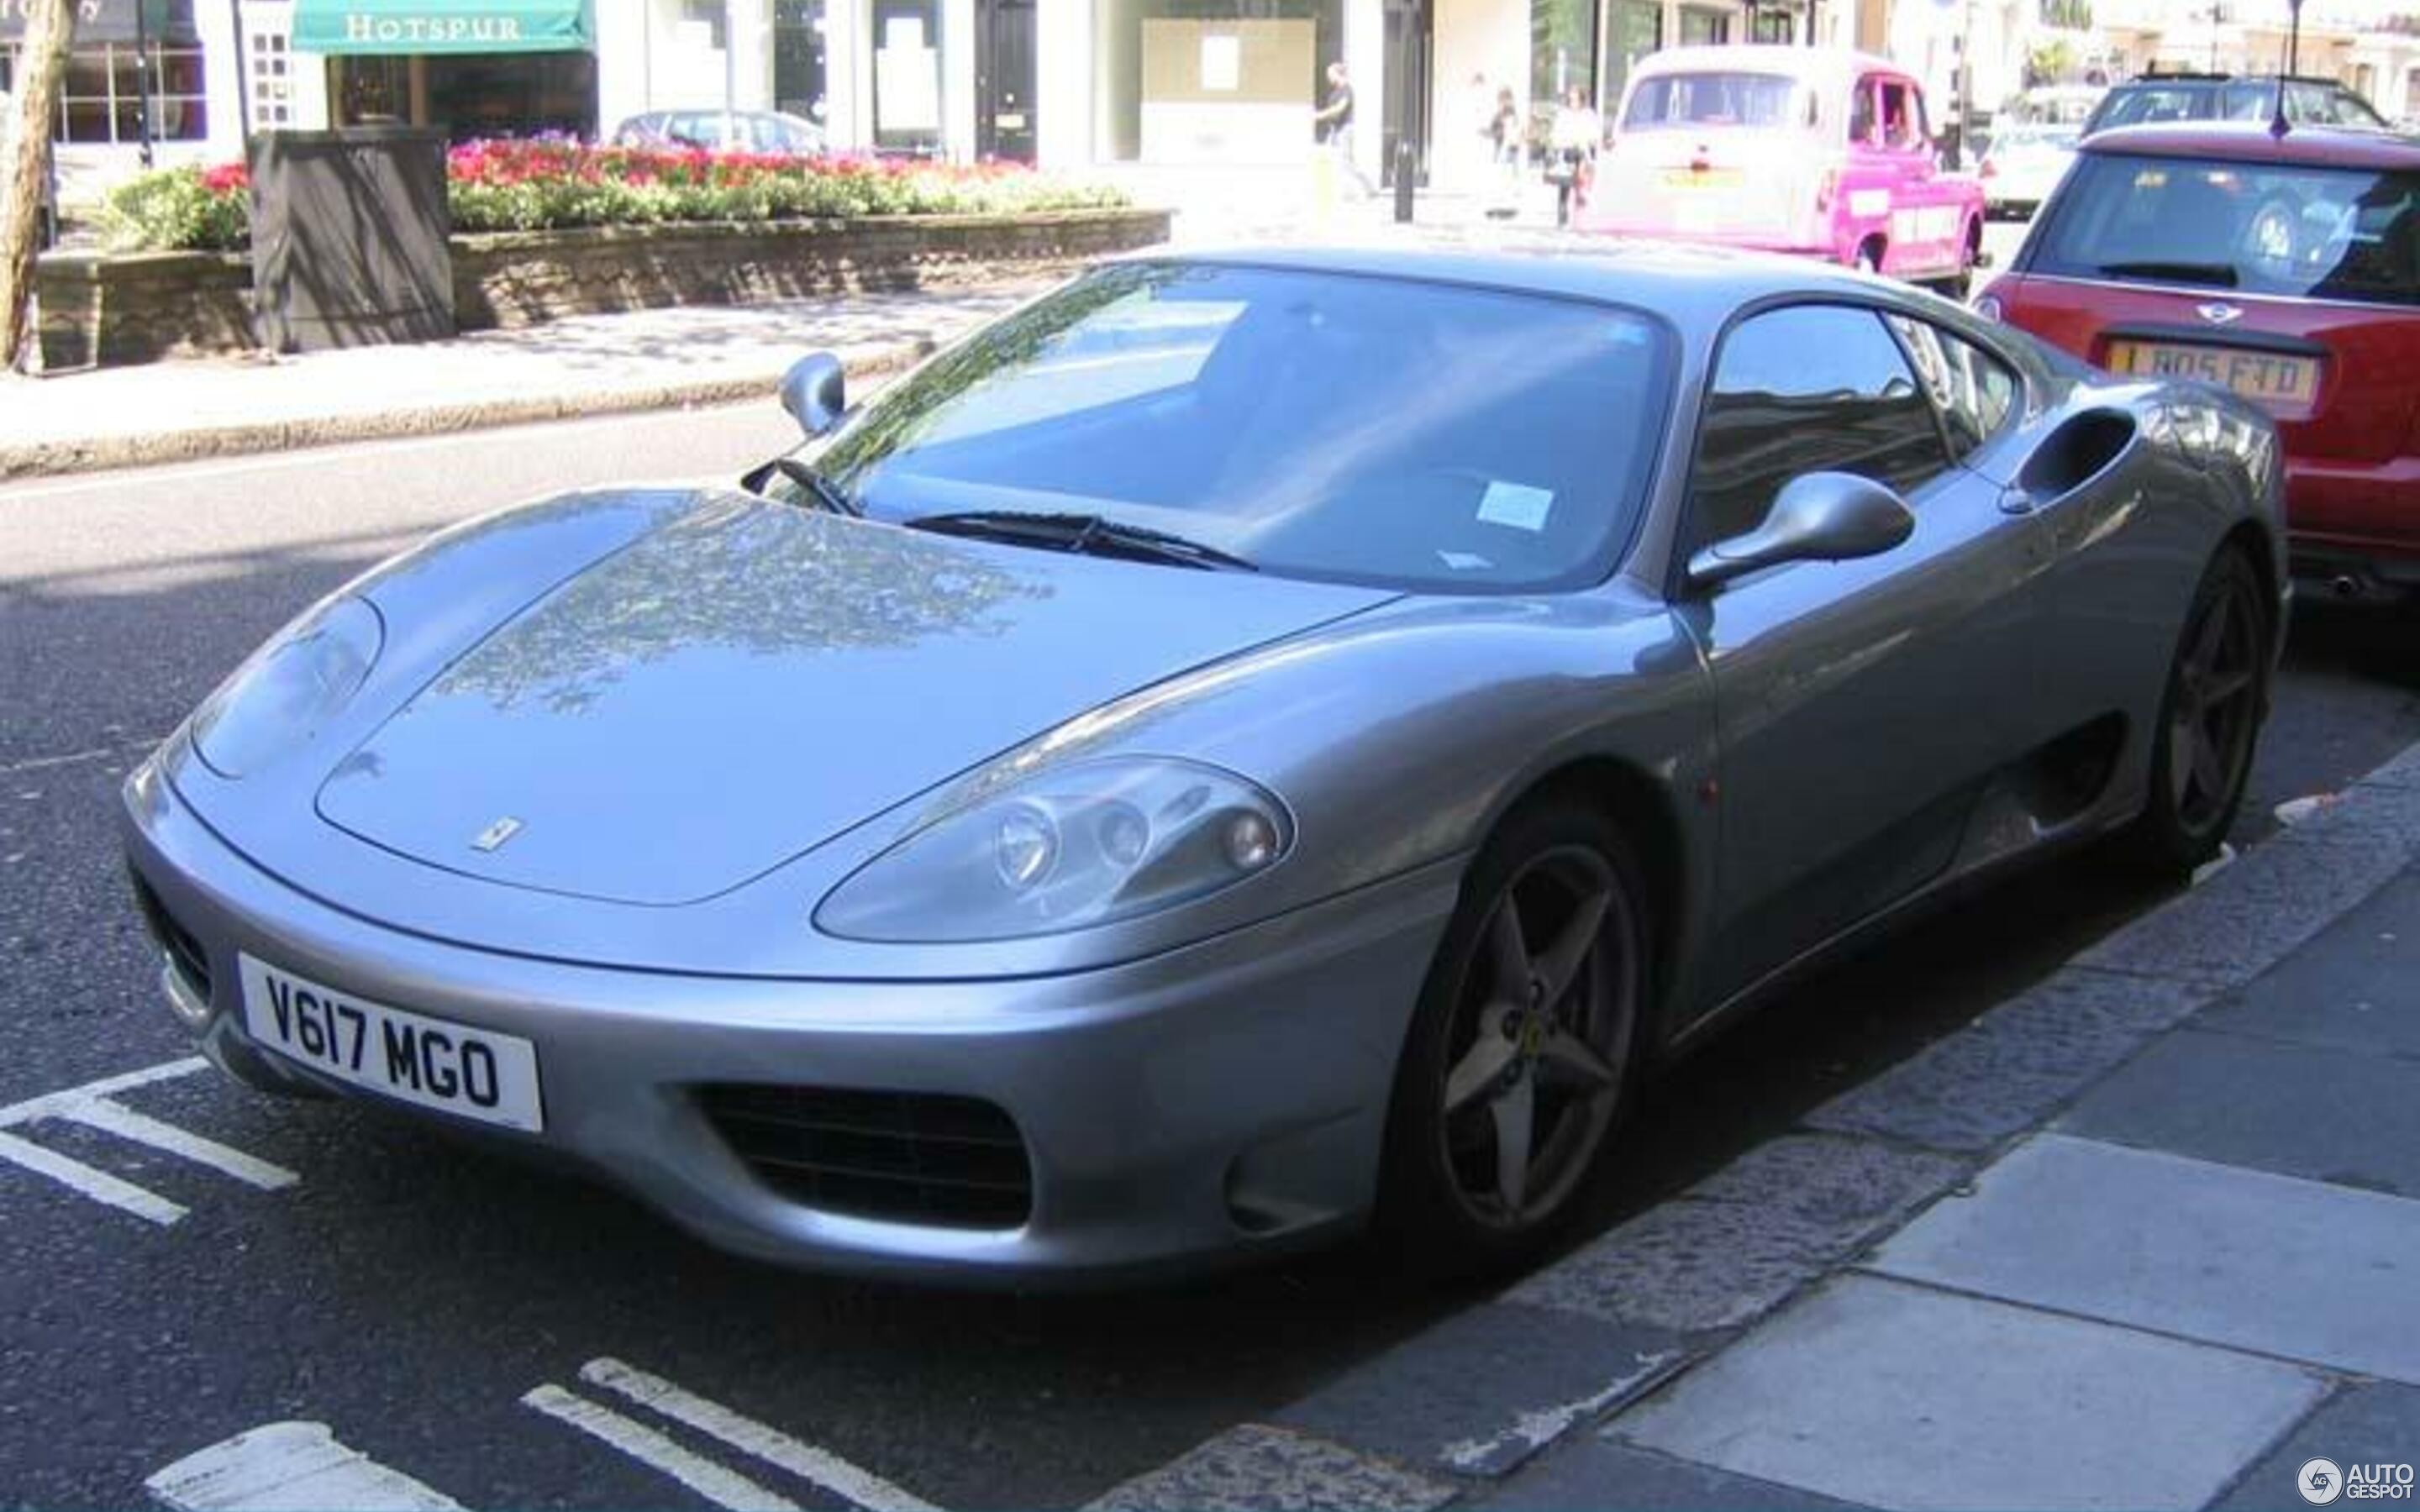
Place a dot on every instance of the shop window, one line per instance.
(1212, 81)
(908, 75)
(1704, 29)
(1563, 51)
(1632, 29)
(1772, 26)
(798, 58)
(102, 93)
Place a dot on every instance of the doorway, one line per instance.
(1004, 79)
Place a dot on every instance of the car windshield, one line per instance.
(1355, 429)
(1671, 100)
(2258, 228)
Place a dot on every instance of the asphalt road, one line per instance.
(411, 1294)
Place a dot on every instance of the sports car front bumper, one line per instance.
(1213, 1102)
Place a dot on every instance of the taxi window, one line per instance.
(1861, 112)
(1902, 116)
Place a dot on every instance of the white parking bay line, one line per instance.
(110, 1117)
(51, 1104)
(724, 1488)
(97, 1184)
(290, 1467)
(818, 1466)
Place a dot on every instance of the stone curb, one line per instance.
(56, 458)
(1611, 1323)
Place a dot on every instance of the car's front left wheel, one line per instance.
(1519, 1063)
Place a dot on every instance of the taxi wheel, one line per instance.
(1869, 256)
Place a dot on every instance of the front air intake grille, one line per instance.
(185, 953)
(903, 1157)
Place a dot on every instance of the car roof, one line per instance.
(1764, 57)
(2333, 147)
(1697, 288)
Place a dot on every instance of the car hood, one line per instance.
(752, 679)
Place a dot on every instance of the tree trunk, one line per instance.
(50, 31)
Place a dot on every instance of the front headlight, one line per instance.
(281, 698)
(1093, 843)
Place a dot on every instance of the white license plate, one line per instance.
(437, 1063)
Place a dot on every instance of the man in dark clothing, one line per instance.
(1334, 121)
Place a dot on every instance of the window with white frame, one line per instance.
(270, 63)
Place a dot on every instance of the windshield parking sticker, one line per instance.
(1516, 504)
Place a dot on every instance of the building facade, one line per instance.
(1065, 84)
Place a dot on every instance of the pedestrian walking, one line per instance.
(1504, 137)
(1334, 122)
(1571, 164)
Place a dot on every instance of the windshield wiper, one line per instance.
(2221, 276)
(1089, 533)
(821, 489)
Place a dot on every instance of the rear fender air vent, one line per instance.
(901, 1157)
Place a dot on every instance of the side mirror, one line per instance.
(1819, 517)
(813, 392)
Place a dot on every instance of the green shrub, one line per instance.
(180, 209)
(541, 183)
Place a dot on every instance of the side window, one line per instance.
(1899, 115)
(1973, 389)
(1810, 388)
(1861, 114)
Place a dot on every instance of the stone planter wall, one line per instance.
(518, 278)
(105, 310)
(100, 310)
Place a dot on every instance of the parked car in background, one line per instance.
(723, 130)
(2158, 99)
(1819, 152)
(1238, 749)
(2285, 268)
(2023, 166)
(2054, 104)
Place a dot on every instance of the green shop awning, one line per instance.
(370, 26)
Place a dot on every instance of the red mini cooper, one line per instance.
(2284, 268)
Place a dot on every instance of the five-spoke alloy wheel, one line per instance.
(2210, 720)
(1519, 1060)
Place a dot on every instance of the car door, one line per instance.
(1862, 704)
(1925, 223)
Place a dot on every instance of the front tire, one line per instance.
(1521, 1056)
(2208, 721)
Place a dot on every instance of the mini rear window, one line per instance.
(2258, 228)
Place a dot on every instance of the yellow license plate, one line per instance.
(2288, 382)
(1707, 179)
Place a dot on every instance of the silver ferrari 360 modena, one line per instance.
(1239, 748)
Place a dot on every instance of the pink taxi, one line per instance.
(1823, 153)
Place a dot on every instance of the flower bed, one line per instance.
(550, 182)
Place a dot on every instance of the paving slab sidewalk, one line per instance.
(2146, 1235)
(587, 365)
